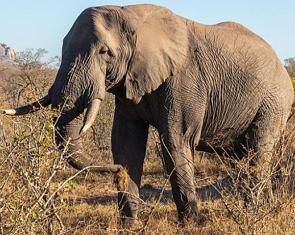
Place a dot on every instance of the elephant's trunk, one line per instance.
(30, 108)
(69, 127)
(80, 160)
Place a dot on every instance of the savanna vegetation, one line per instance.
(41, 194)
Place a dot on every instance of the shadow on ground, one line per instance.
(150, 193)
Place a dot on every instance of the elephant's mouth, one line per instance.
(112, 84)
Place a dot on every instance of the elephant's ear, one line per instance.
(161, 51)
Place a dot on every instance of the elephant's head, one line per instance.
(130, 50)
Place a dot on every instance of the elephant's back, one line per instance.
(267, 67)
(234, 27)
(241, 54)
(248, 48)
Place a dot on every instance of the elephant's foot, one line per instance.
(190, 214)
(258, 201)
(197, 220)
(129, 224)
(128, 219)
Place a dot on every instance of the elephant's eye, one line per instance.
(103, 50)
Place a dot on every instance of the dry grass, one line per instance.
(31, 170)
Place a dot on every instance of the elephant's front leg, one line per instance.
(178, 158)
(129, 140)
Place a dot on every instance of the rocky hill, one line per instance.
(7, 52)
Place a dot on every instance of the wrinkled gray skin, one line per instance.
(214, 88)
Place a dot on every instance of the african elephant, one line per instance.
(214, 88)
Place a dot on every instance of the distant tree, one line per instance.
(290, 66)
(28, 78)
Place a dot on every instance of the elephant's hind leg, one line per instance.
(129, 140)
(262, 137)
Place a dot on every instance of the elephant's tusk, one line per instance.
(30, 108)
(8, 111)
(91, 113)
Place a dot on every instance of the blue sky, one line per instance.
(43, 24)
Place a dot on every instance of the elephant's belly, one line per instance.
(224, 137)
(220, 139)
(227, 126)
(227, 140)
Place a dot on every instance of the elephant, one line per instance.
(212, 88)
